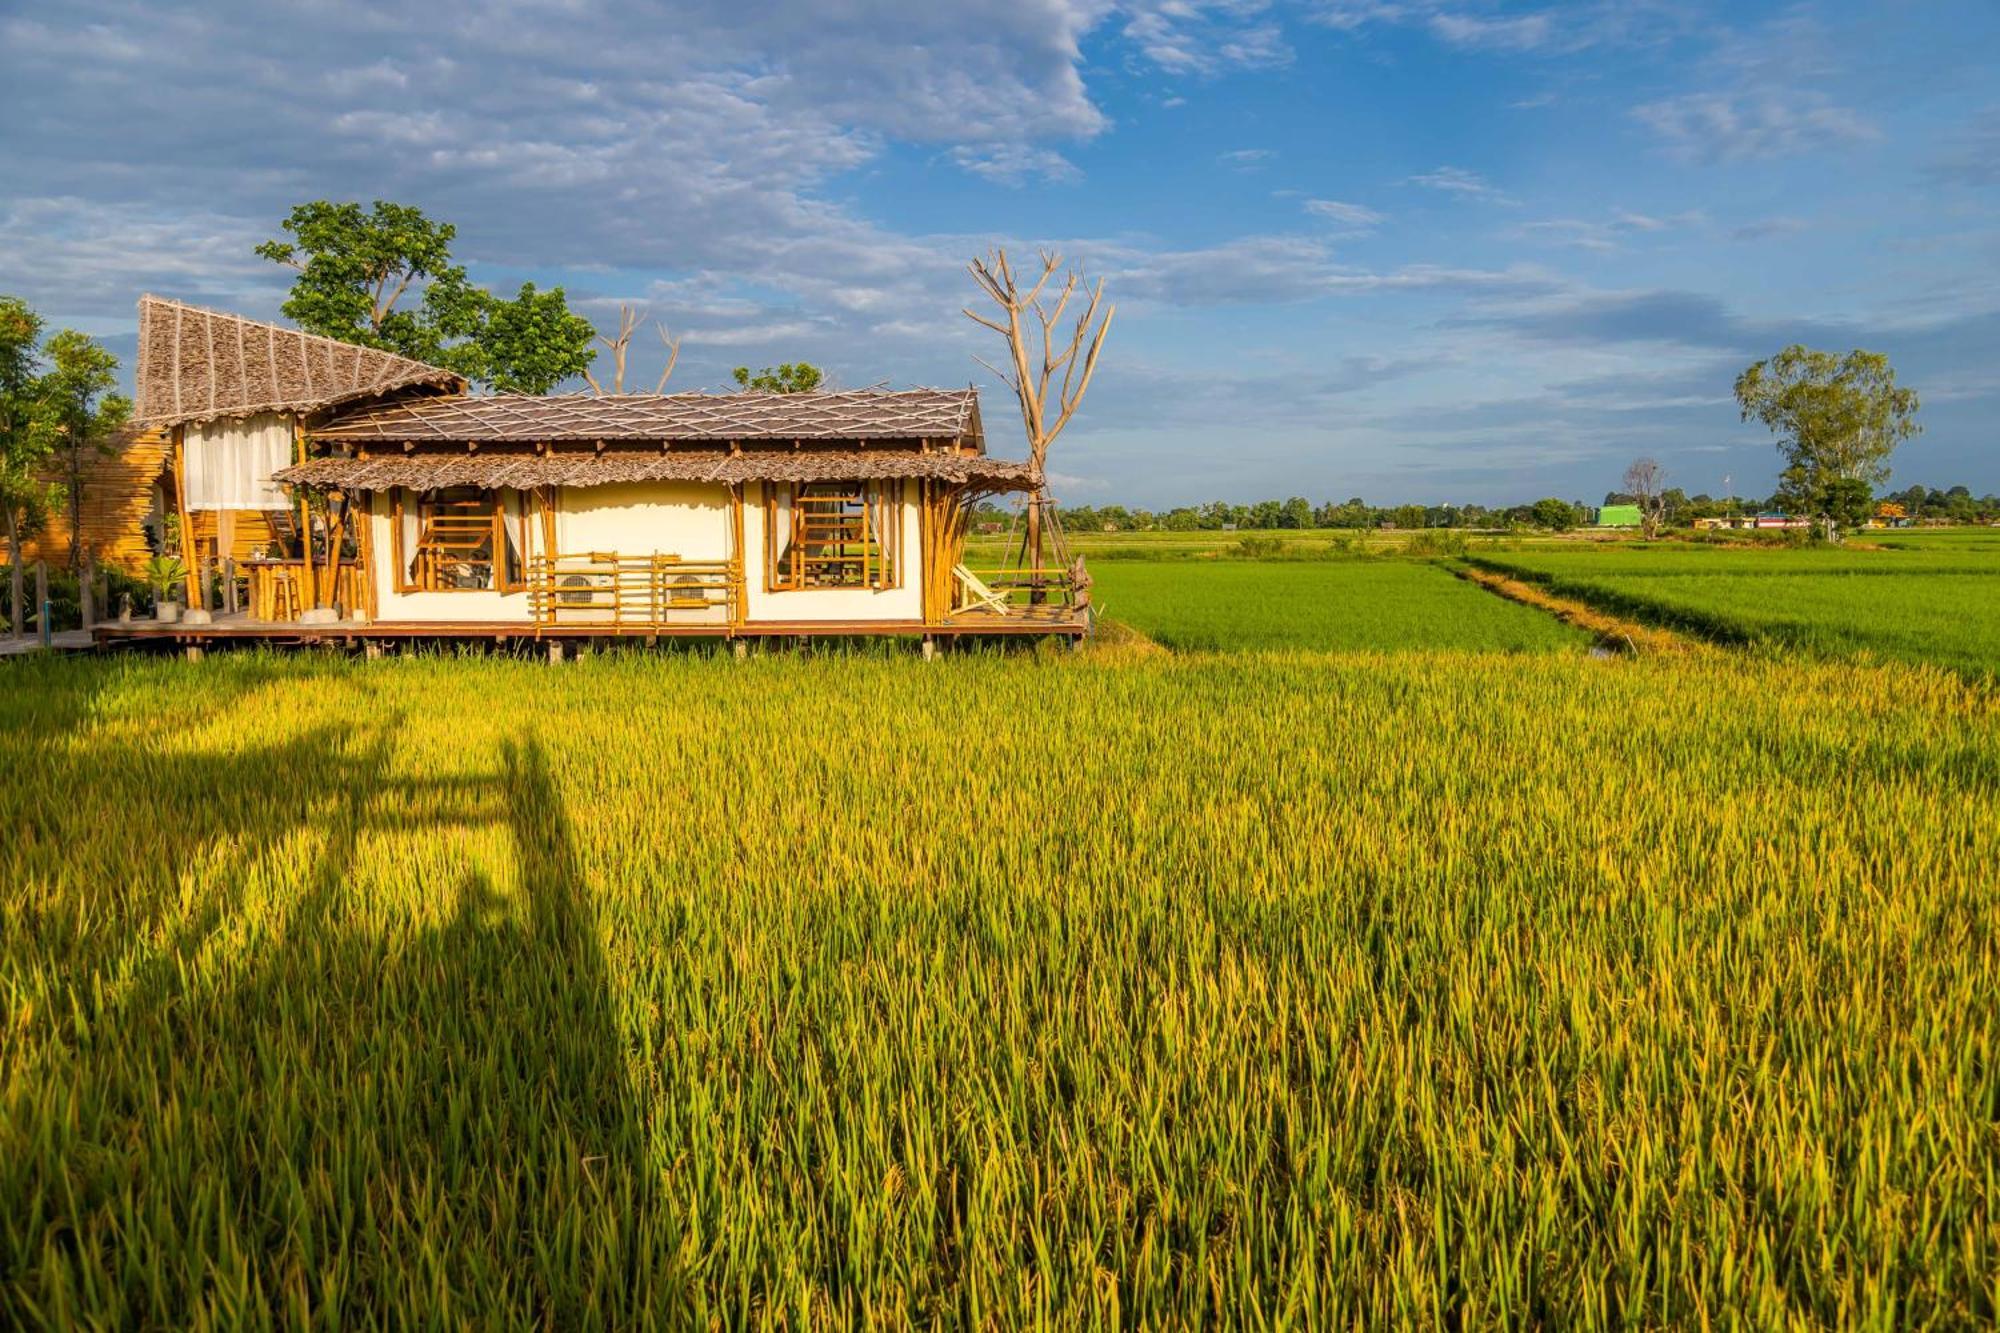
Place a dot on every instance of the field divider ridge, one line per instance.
(1613, 630)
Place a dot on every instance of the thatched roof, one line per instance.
(524, 469)
(201, 365)
(854, 414)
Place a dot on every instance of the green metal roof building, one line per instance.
(1618, 516)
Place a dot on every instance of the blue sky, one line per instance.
(1408, 250)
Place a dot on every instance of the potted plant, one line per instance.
(165, 572)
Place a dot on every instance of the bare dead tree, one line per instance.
(629, 320)
(1646, 483)
(673, 346)
(1040, 354)
(628, 324)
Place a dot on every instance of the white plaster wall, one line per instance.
(687, 519)
(905, 603)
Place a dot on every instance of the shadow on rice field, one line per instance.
(272, 1100)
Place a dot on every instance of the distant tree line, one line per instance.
(1921, 504)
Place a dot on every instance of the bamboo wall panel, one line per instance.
(117, 498)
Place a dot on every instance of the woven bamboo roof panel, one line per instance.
(520, 469)
(853, 414)
(204, 365)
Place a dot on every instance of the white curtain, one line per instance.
(229, 463)
(407, 536)
(779, 539)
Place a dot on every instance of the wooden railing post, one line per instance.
(229, 585)
(42, 602)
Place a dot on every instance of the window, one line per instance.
(458, 540)
(831, 535)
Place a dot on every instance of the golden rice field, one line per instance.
(1275, 989)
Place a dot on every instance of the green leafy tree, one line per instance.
(77, 415)
(23, 450)
(1553, 514)
(384, 278)
(1838, 419)
(535, 341)
(792, 377)
(1298, 513)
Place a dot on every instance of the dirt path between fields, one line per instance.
(1613, 633)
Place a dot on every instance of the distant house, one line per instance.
(1889, 514)
(350, 488)
(1619, 516)
(1778, 520)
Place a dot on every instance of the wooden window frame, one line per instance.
(881, 503)
(497, 504)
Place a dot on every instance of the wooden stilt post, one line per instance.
(555, 652)
(929, 648)
(371, 649)
(86, 590)
(42, 602)
(739, 649)
(192, 652)
(229, 585)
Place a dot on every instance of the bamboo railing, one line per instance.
(1022, 592)
(614, 591)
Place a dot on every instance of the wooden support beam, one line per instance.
(189, 560)
(305, 517)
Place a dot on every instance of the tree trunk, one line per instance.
(17, 618)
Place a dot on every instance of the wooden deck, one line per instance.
(62, 641)
(242, 629)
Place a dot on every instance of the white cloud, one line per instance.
(1353, 215)
(1748, 126)
(1608, 234)
(1273, 270)
(1525, 32)
(1014, 164)
(1205, 37)
(1557, 29)
(1459, 181)
(1245, 159)
(1766, 98)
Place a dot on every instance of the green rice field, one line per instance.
(1929, 598)
(1269, 989)
(1354, 603)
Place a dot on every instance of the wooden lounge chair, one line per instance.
(977, 594)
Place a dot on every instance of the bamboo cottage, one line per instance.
(327, 491)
